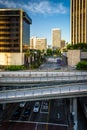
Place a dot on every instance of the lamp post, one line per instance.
(6, 60)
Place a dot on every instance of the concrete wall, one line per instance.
(84, 55)
(73, 57)
(11, 58)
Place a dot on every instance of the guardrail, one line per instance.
(43, 79)
(39, 74)
(43, 93)
(20, 77)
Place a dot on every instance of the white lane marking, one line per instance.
(44, 123)
(30, 115)
(36, 126)
(44, 112)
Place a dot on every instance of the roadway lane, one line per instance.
(17, 126)
(4, 125)
(56, 127)
(60, 114)
(40, 120)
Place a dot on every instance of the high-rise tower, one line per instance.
(56, 38)
(78, 21)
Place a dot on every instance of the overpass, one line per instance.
(44, 92)
(27, 86)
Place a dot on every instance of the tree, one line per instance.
(80, 46)
(27, 58)
(49, 52)
(57, 52)
(27, 53)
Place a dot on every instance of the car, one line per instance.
(36, 107)
(59, 116)
(16, 114)
(45, 106)
(26, 114)
(22, 104)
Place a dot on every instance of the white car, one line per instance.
(45, 106)
(36, 107)
(22, 104)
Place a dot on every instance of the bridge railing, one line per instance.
(39, 74)
(41, 77)
(37, 93)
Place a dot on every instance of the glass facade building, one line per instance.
(14, 30)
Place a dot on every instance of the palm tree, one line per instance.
(27, 58)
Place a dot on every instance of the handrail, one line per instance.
(36, 93)
(40, 74)
(42, 79)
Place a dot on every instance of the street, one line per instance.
(45, 119)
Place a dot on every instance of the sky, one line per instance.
(46, 15)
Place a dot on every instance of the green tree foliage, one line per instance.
(57, 52)
(27, 53)
(82, 65)
(39, 53)
(80, 46)
(49, 52)
(15, 67)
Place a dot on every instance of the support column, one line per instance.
(75, 112)
(3, 106)
(71, 105)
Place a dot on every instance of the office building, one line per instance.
(41, 44)
(38, 43)
(33, 42)
(78, 21)
(56, 38)
(14, 36)
(63, 43)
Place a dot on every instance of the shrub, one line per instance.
(82, 65)
(35, 65)
(15, 67)
(81, 46)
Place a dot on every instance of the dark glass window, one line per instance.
(26, 32)
(9, 12)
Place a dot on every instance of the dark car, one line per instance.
(17, 114)
(59, 116)
(26, 114)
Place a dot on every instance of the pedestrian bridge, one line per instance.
(47, 92)
(27, 77)
(16, 86)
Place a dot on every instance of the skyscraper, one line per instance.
(78, 21)
(56, 38)
(14, 35)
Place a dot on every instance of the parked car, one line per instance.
(36, 107)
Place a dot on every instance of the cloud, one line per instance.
(40, 7)
(8, 4)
